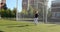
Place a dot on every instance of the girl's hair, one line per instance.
(35, 11)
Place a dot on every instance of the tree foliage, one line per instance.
(27, 13)
(8, 13)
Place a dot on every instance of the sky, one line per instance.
(49, 3)
(12, 3)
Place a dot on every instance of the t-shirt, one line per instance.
(36, 15)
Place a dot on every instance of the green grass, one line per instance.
(23, 26)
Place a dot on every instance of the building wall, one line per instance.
(2, 3)
(24, 4)
(37, 4)
(55, 9)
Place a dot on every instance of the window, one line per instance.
(57, 14)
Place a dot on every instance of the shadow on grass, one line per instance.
(1, 31)
(7, 24)
(19, 26)
(24, 24)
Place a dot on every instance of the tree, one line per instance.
(5, 13)
(3, 10)
(14, 12)
(28, 13)
(5, 7)
(24, 13)
(49, 13)
(8, 13)
(31, 12)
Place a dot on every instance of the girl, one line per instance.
(36, 17)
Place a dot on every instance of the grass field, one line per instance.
(23, 26)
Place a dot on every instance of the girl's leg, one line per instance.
(36, 21)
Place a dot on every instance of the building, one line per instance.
(55, 9)
(3, 4)
(40, 4)
(24, 4)
(37, 4)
